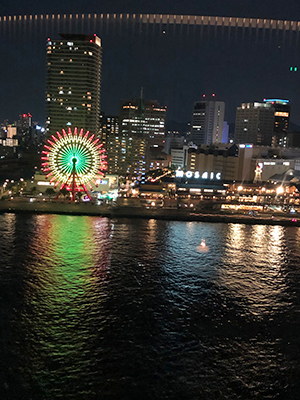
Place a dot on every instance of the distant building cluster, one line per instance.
(21, 135)
(136, 140)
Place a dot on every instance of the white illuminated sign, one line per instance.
(205, 175)
(43, 183)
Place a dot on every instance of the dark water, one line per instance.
(93, 308)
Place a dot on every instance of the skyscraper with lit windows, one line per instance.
(142, 125)
(73, 82)
(207, 122)
(254, 123)
(282, 111)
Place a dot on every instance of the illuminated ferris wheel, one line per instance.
(74, 160)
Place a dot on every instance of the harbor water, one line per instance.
(98, 308)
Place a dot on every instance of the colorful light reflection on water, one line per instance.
(100, 309)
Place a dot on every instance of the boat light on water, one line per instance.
(203, 248)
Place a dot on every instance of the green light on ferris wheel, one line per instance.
(82, 157)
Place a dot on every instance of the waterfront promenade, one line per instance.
(106, 210)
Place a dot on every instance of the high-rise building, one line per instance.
(29, 134)
(142, 126)
(125, 153)
(282, 111)
(110, 137)
(109, 126)
(254, 123)
(207, 122)
(24, 130)
(73, 83)
(140, 117)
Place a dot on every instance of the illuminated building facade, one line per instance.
(160, 163)
(126, 155)
(25, 130)
(274, 166)
(180, 156)
(141, 117)
(142, 124)
(41, 183)
(254, 123)
(109, 126)
(29, 134)
(8, 136)
(282, 111)
(233, 163)
(110, 137)
(207, 122)
(11, 130)
(73, 83)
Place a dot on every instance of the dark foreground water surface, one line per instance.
(93, 308)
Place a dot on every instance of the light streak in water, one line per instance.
(203, 248)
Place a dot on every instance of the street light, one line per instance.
(279, 190)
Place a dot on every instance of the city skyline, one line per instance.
(174, 66)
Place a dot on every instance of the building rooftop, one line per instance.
(81, 37)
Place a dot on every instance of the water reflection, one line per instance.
(125, 309)
(62, 294)
(7, 224)
(252, 271)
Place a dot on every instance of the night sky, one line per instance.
(176, 68)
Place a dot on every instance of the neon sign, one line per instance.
(205, 175)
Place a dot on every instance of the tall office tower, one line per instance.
(73, 83)
(24, 130)
(109, 134)
(281, 120)
(143, 118)
(207, 122)
(254, 123)
(142, 125)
